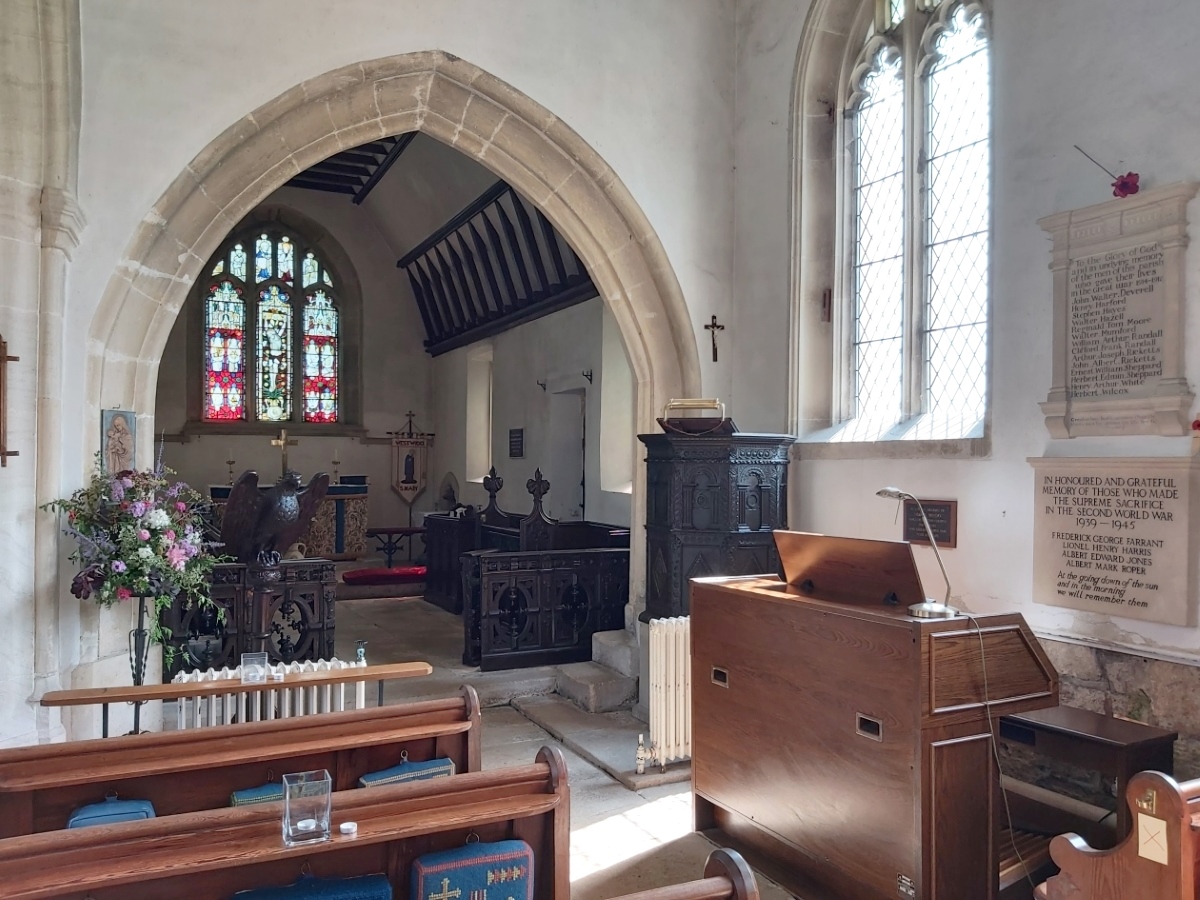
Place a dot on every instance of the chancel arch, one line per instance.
(450, 100)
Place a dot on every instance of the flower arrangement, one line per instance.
(138, 535)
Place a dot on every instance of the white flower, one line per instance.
(145, 552)
(158, 518)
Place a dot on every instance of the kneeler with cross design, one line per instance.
(496, 871)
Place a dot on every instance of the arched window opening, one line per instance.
(910, 200)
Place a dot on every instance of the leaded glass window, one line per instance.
(919, 216)
(320, 358)
(225, 340)
(281, 330)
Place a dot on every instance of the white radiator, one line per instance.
(670, 689)
(267, 702)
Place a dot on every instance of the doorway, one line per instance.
(568, 430)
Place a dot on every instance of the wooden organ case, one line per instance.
(846, 744)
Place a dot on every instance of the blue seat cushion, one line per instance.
(366, 887)
(264, 793)
(408, 771)
(501, 869)
(110, 811)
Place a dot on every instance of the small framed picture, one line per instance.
(118, 431)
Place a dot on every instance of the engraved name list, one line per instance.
(1116, 332)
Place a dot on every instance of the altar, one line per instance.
(339, 530)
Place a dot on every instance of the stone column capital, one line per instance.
(62, 220)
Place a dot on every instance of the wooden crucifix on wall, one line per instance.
(712, 328)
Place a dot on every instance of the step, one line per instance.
(618, 650)
(596, 688)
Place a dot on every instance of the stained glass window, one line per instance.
(919, 201)
(285, 254)
(274, 393)
(262, 258)
(237, 262)
(284, 331)
(225, 342)
(320, 359)
(309, 275)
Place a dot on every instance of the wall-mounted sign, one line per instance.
(516, 443)
(943, 519)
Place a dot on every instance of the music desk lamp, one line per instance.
(930, 608)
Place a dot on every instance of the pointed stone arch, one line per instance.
(448, 99)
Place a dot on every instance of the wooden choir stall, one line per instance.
(848, 744)
(531, 589)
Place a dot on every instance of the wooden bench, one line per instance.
(186, 771)
(211, 855)
(146, 693)
(726, 877)
(1158, 860)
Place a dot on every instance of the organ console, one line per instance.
(846, 746)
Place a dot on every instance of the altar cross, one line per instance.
(283, 443)
(713, 328)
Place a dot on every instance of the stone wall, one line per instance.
(1140, 688)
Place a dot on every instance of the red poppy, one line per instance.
(1196, 425)
(1125, 184)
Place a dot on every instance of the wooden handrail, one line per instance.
(178, 690)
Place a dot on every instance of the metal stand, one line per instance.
(139, 647)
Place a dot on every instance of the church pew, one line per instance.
(1158, 860)
(726, 877)
(186, 771)
(211, 855)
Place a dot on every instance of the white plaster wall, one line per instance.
(423, 190)
(555, 349)
(201, 66)
(395, 375)
(1114, 77)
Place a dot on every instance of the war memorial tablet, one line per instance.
(1113, 536)
(1118, 316)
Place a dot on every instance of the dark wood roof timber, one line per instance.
(496, 264)
(354, 172)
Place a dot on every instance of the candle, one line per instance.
(229, 453)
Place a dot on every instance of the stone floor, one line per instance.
(622, 840)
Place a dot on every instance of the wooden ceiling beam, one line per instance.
(398, 147)
(299, 182)
(329, 165)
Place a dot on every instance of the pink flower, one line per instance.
(144, 535)
(1125, 184)
(124, 593)
(170, 535)
(180, 506)
(177, 557)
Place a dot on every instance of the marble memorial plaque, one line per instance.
(1118, 316)
(1113, 536)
